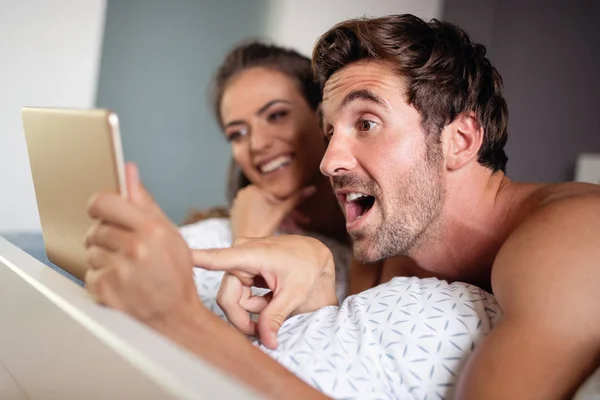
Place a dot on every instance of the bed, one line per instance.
(343, 352)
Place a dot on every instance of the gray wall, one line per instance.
(158, 58)
(549, 56)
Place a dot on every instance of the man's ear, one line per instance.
(462, 140)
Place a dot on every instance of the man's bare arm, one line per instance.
(546, 278)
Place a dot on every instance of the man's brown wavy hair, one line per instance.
(446, 74)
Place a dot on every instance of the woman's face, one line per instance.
(275, 137)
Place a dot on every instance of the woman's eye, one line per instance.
(235, 136)
(365, 125)
(276, 116)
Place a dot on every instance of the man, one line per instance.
(416, 124)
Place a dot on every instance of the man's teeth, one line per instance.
(354, 196)
(275, 164)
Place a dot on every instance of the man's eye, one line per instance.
(364, 125)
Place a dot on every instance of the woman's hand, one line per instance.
(256, 213)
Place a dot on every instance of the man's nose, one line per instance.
(339, 158)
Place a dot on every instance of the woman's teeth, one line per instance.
(275, 164)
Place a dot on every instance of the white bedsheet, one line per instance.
(406, 339)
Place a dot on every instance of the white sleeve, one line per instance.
(214, 233)
(408, 338)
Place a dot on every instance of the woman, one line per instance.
(266, 103)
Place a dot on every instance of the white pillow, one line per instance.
(408, 338)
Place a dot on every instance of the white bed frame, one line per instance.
(56, 343)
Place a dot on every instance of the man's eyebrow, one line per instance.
(354, 95)
(363, 94)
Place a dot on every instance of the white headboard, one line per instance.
(56, 343)
(588, 168)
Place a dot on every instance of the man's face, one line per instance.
(387, 178)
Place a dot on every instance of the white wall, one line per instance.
(299, 24)
(49, 57)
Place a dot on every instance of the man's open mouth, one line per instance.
(357, 204)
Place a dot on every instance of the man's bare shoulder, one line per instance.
(558, 192)
(527, 199)
(545, 278)
(558, 230)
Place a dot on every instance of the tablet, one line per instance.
(73, 154)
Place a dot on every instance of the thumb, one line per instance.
(297, 198)
(138, 194)
(273, 316)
